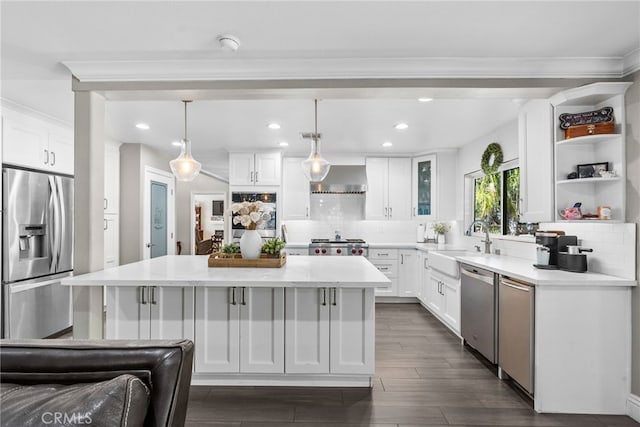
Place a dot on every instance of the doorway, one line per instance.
(158, 214)
(207, 219)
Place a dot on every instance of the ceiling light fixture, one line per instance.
(315, 167)
(401, 126)
(185, 167)
(176, 143)
(387, 144)
(142, 126)
(228, 42)
(425, 99)
(273, 126)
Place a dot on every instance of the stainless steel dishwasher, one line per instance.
(478, 310)
(516, 326)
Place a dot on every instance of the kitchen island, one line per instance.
(309, 323)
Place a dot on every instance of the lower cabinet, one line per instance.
(386, 260)
(329, 330)
(239, 329)
(408, 273)
(424, 278)
(149, 312)
(444, 299)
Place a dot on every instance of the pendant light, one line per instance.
(185, 167)
(315, 167)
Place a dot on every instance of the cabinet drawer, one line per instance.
(382, 254)
(390, 269)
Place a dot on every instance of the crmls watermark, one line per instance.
(64, 418)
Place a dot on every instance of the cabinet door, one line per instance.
(61, 151)
(217, 330)
(377, 204)
(535, 152)
(128, 312)
(241, 168)
(451, 310)
(267, 169)
(171, 312)
(436, 298)
(408, 273)
(424, 187)
(24, 143)
(352, 314)
(261, 330)
(111, 241)
(399, 189)
(307, 330)
(295, 190)
(111, 178)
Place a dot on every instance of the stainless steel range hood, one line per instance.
(342, 179)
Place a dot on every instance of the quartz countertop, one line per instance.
(192, 270)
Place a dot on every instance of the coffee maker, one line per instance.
(555, 244)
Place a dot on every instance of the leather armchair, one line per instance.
(163, 366)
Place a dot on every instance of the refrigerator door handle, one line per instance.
(51, 224)
(63, 223)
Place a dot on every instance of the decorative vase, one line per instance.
(441, 240)
(250, 244)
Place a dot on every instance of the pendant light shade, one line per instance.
(315, 167)
(185, 167)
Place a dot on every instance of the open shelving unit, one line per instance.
(610, 148)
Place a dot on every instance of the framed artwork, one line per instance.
(592, 170)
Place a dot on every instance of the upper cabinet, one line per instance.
(424, 187)
(388, 188)
(295, 188)
(581, 160)
(256, 169)
(35, 143)
(535, 146)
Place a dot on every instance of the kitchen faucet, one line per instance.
(487, 241)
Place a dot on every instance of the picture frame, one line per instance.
(592, 170)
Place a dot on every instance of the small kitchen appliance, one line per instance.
(573, 259)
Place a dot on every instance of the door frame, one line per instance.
(192, 216)
(158, 175)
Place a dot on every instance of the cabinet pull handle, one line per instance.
(324, 296)
(46, 157)
(244, 302)
(106, 203)
(153, 295)
(251, 176)
(390, 212)
(53, 158)
(143, 297)
(425, 263)
(335, 297)
(307, 212)
(232, 296)
(383, 268)
(415, 211)
(401, 258)
(256, 176)
(386, 212)
(106, 225)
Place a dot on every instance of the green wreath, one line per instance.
(492, 152)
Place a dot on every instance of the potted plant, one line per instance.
(250, 215)
(440, 228)
(272, 247)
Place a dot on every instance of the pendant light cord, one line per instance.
(185, 119)
(315, 103)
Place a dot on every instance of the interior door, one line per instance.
(158, 220)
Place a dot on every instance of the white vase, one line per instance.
(441, 240)
(250, 244)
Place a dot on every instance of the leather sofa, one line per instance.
(95, 382)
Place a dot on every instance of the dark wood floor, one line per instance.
(424, 377)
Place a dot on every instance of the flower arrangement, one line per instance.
(440, 227)
(250, 214)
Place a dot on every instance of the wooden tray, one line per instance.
(235, 260)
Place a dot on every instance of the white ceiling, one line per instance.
(579, 39)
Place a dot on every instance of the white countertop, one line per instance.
(192, 270)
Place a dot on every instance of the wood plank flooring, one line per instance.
(424, 377)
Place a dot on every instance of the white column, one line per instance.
(88, 211)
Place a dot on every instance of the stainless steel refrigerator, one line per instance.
(37, 239)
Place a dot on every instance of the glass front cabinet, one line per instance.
(424, 187)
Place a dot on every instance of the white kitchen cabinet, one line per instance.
(295, 190)
(149, 312)
(604, 148)
(388, 188)
(111, 240)
(424, 277)
(256, 169)
(329, 330)
(435, 299)
(34, 143)
(535, 147)
(408, 273)
(297, 250)
(444, 299)
(424, 187)
(386, 260)
(239, 330)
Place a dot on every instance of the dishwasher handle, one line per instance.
(516, 285)
(483, 275)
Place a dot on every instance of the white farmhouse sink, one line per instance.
(445, 261)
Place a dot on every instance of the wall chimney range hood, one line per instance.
(342, 179)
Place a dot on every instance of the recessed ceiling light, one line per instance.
(387, 144)
(142, 126)
(228, 42)
(176, 143)
(425, 99)
(283, 144)
(401, 126)
(273, 126)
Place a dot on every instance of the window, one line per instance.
(495, 199)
